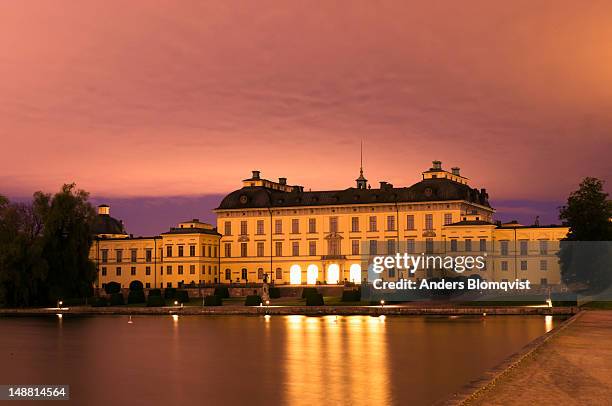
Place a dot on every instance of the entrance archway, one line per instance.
(355, 273)
(333, 274)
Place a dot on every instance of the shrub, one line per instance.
(222, 292)
(314, 299)
(155, 292)
(136, 296)
(213, 300)
(116, 299)
(182, 296)
(100, 302)
(274, 293)
(155, 301)
(253, 300)
(112, 287)
(352, 295)
(308, 291)
(169, 293)
(136, 285)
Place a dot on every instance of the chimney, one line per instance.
(255, 175)
(282, 181)
(437, 165)
(383, 185)
(104, 209)
(455, 171)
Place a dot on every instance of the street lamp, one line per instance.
(382, 303)
(59, 303)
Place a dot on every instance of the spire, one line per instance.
(361, 180)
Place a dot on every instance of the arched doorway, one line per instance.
(312, 273)
(333, 274)
(295, 275)
(355, 273)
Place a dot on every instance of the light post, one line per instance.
(59, 304)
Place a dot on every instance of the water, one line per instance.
(294, 360)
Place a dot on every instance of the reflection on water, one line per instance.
(261, 360)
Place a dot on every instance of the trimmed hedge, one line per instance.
(169, 293)
(136, 296)
(100, 302)
(352, 295)
(155, 301)
(274, 293)
(116, 299)
(213, 300)
(155, 292)
(309, 291)
(112, 287)
(315, 299)
(222, 292)
(253, 300)
(182, 296)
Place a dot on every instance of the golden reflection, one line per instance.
(548, 323)
(335, 359)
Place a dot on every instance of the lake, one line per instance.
(294, 360)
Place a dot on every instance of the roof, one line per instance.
(471, 223)
(191, 230)
(105, 224)
(427, 190)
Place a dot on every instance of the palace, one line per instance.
(279, 232)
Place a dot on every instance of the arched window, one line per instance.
(295, 275)
(355, 273)
(333, 274)
(312, 273)
(228, 274)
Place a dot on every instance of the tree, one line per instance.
(586, 253)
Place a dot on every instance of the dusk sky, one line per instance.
(160, 107)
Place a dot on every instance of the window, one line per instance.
(278, 226)
(544, 281)
(192, 249)
(180, 250)
(214, 251)
(148, 255)
(228, 228)
(169, 251)
(523, 265)
(373, 247)
(295, 248)
(448, 218)
(390, 223)
(169, 270)
(483, 244)
(147, 285)
(192, 269)
(503, 246)
(243, 227)
(228, 249)
(429, 222)
(260, 249)
(260, 273)
(523, 245)
(372, 223)
(410, 248)
(453, 245)
(543, 247)
(278, 248)
(354, 224)
(180, 269)
(390, 247)
(333, 246)
(243, 249)
(312, 248)
(429, 245)
(148, 270)
(504, 265)
(312, 225)
(228, 274)
(133, 255)
(355, 247)
(119, 255)
(118, 271)
(260, 227)
(104, 256)
(468, 245)
(333, 224)
(244, 274)
(210, 270)
(103, 271)
(543, 265)
(169, 284)
(410, 222)
(295, 226)
(279, 273)
(133, 271)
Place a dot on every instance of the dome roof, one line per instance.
(105, 224)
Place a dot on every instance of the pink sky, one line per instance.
(164, 98)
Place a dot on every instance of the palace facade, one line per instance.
(282, 233)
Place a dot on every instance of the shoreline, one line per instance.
(299, 310)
